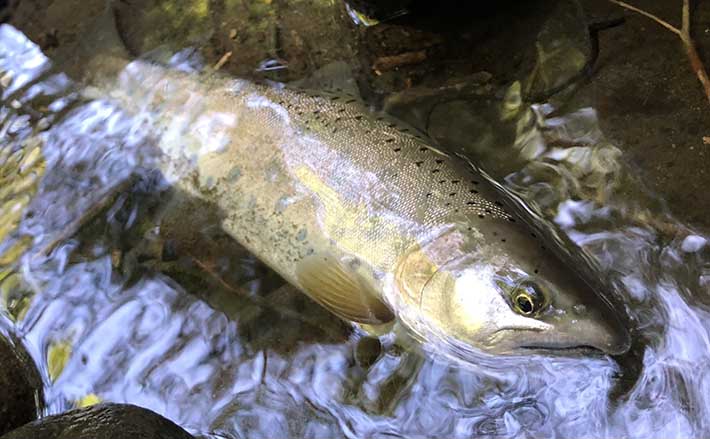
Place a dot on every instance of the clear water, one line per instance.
(216, 344)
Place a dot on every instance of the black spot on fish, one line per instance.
(419, 163)
(475, 181)
(536, 271)
(498, 203)
(511, 219)
(338, 119)
(434, 171)
(428, 194)
(350, 101)
(473, 191)
(455, 181)
(471, 203)
(452, 194)
(448, 204)
(391, 125)
(404, 130)
(488, 211)
(334, 98)
(502, 240)
(341, 110)
(439, 161)
(358, 117)
(423, 149)
(442, 181)
(533, 235)
(397, 149)
(316, 111)
(390, 140)
(480, 215)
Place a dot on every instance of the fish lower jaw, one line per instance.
(582, 350)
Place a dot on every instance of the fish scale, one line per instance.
(413, 157)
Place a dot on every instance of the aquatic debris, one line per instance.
(223, 60)
(384, 63)
(89, 400)
(58, 354)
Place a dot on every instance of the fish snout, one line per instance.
(602, 331)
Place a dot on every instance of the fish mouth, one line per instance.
(618, 346)
(585, 350)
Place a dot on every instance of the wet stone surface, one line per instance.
(21, 386)
(105, 421)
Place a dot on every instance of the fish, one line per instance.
(369, 217)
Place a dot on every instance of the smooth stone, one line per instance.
(104, 421)
(20, 383)
(693, 243)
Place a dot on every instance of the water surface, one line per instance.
(115, 305)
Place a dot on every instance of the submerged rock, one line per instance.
(105, 421)
(21, 386)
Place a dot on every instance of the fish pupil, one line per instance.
(524, 304)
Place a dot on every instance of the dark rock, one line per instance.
(5, 10)
(21, 386)
(102, 421)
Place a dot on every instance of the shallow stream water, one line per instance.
(215, 342)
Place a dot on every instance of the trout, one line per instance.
(368, 217)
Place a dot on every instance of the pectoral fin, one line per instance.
(341, 291)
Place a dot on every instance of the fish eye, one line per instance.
(528, 299)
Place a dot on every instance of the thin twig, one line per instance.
(665, 24)
(208, 269)
(695, 61)
(684, 33)
(223, 60)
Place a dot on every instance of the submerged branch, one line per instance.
(663, 23)
(684, 33)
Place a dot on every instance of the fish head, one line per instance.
(506, 301)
